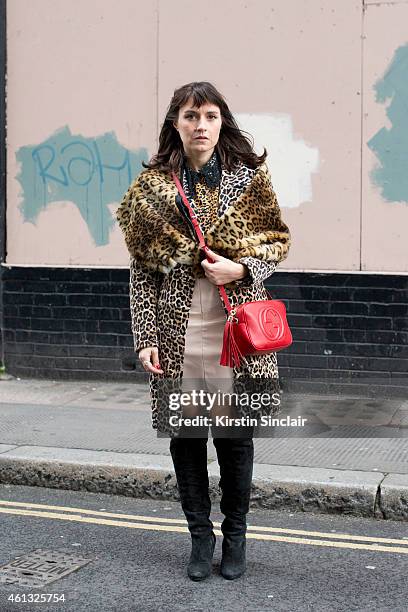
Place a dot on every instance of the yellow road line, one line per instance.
(336, 536)
(157, 519)
(94, 512)
(178, 529)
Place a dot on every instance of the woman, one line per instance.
(177, 313)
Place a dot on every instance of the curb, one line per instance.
(346, 492)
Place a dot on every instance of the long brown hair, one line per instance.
(233, 144)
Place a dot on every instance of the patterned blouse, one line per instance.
(202, 189)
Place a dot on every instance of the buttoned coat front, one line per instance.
(160, 300)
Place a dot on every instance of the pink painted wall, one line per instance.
(89, 65)
(298, 75)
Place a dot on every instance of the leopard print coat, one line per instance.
(161, 288)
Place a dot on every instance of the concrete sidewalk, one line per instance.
(351, 458)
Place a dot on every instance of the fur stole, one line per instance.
(156, 233)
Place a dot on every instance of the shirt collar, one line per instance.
(211, 172)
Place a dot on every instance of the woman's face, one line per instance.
(199, 128)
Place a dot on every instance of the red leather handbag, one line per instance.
(252, 328)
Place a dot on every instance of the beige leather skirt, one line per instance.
(204, 335)
(201, 368)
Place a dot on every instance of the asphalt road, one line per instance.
(138, 562)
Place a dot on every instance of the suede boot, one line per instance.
(190, 465)
(235, 458)
(202, 551)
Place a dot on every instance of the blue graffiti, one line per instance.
(90, 172)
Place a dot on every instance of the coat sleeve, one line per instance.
(260, 268)
(144, 287)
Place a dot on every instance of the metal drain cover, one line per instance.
(40, 567)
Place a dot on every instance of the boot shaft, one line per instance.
(190, 466)
(236, 458)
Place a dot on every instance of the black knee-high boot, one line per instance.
(236, 458)
(190, 465)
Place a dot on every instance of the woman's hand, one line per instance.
(223, 270)
(149, 357)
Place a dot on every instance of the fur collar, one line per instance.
(250, 223)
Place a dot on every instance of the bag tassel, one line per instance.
(231, 355)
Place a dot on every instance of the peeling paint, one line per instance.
(291, 161)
